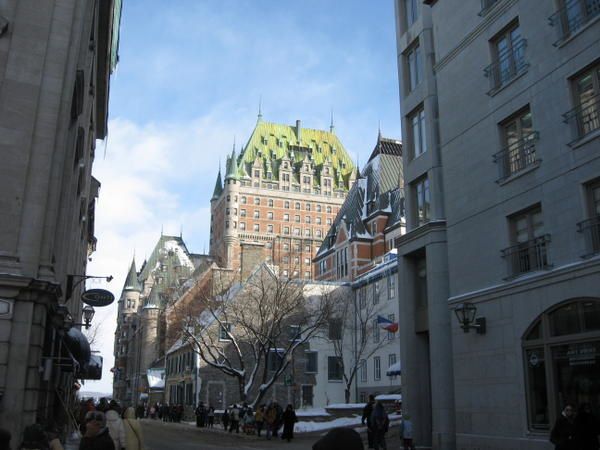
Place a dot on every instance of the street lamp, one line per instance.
(88, 314)
(465, 313)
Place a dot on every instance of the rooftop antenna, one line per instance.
(331, 126)
(259, 109)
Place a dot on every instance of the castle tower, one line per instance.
(231, 191)
(130, 296)
(150, 328)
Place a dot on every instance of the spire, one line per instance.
(259, 119)
(331, 126)
(357, 168)
(132, 283)
(218, 186)
(153, 300)
(379, 132)
(232, 167)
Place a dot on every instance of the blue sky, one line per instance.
(188, 83)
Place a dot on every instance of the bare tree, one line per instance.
(355, 336)
(251, 330)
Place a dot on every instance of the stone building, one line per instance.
(141, 338)
(501, 173)
(280, 195)
(55, 64)
(359, 247)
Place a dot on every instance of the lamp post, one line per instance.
(465, 313)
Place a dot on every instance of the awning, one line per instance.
(92, 370)
(393, 370)
(76, 347)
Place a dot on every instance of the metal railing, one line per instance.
(517, 156)
(591, 233)
(585, 117)
(507, 66)
(527, 256)
(573, 16)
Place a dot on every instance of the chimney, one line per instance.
(298, 131)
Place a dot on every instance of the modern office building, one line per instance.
(281, 195)
(500, 111)
(56, 58)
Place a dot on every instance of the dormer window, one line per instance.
(285, 165)
(257, 174)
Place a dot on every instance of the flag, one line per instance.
(387, 324)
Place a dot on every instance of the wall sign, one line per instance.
(97, 297)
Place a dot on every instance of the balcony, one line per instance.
(508, 65)
(527, 256)
(573, 16)
(591, 233)
(517, 157)
(585, 118)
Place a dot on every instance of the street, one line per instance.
(165, 436)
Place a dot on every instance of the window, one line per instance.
(256, 227)
(307, 274)
(376, 292)
(242, 226)
(286, 230)
(423, 201)
(341, 262)
(297, 219)
(286, 217)
(244, 200)
(328, 221)
(306, 261)
(414, 66)
(307, 219)
(322, 267)
(391, 286)
(297, 205)
(312, 362)
(307, 207)
(275, 359)
(296, 260)
(256, 214)
(318, 220)
(270, 228)
(296, 231)
(307, 232)
(377, 368)
(319, 233)
(390, 335)
(362, 297)
(375, 331)
(585, 117)
(295, 333)
(287, 205)
(391, 359)
(228, 198)
(591, 226)
(227, 224)
(270, 215)
(286, 247)
(257, 174)
(270, 203)
(508, 57)
(335, 368)
(257, 200)
(335, 329)
(417, 132)
(411, 10)
(224, 331)
(573, 15)
(519, 144)
(529, 249)
(318, 207)
(572, 359)
(328, 210)
(363, 370)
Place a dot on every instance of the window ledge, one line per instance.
(520, 173)
(494, 91)
(531, 273)
(564, 41)
(335, 381)
(580, 142)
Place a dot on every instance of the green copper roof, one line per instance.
(218, 187)
(132, 283)
(272, 142)
(232, 169)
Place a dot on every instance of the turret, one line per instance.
(218, 187)
(130, 296)
(231, 191)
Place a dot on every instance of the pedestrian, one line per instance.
(379, 426)
(225, 419)
(406, 433)
(96, 435)
(340, 439)
(289, 419)
(211, 416)
(366, 417)
(199, 415)
(270, 419)
(5, 437)
(278, 418)
(34, 438)
(563, 432)
(52, 435)
(115, 425)
(234, 419)
(248, 421)
(133, 431)
(259, 418)
(587, 428)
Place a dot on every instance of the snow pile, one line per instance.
(307, 427)
(313, 412)
(184, 259)
(345, 405)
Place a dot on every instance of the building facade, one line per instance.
(55, 64)
(280, 194)
(504, 94)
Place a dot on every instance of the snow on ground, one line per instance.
(312, 412)
(307, 427)
(346, 405)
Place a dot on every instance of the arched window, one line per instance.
(561, 351)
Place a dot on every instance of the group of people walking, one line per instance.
(378, 424)
(576, 430)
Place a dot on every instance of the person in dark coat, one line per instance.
(340, 439)
(34, 438)
(4, 439)
(366, 417)
(200, 414)
(380, 423)
(289, 419)
(587, 428)
(563, 432)
(96, 435)
(225, 419)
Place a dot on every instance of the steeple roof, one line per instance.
(132, 283)
(232, 167)
(218, 187)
